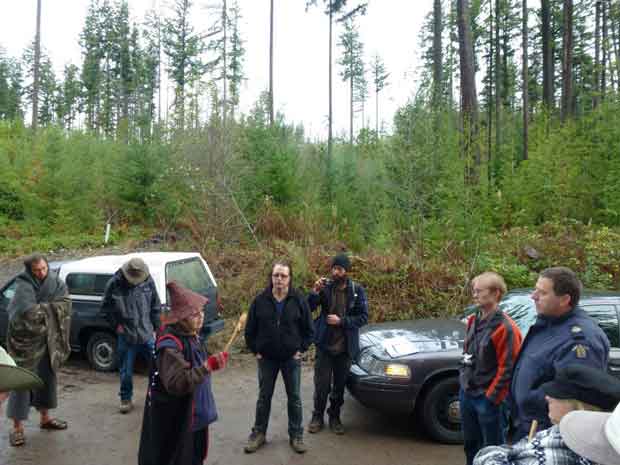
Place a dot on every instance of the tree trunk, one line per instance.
(224, 46)
(490, 74)
(498, 82)
(329, 117)
(351, 80)
(469, 102)
(525, 91)
(604, 48)
(567, 61)
(437, 53)
(37, 65)
(615, 38)
(377, 114)
(597, 54)
(271, 65)
(545, 11)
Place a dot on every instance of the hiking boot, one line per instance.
(126, 406)
(316, 424)
(255, 442)
(297, 444)
(335, 425)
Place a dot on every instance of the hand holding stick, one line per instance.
(532, 430)
(240, 325)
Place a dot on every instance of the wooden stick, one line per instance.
(532, 430)
(238, 327)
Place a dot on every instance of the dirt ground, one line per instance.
(99, 435)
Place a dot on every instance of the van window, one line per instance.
(87, 283)
(607, 318)
(190, 274)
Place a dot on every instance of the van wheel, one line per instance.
(101, 351)
(441, 413)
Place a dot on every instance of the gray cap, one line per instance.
(593, 435)
(135, 271)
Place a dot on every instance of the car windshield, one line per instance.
(521, 309)
(190, 274)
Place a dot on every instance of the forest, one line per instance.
(506, 158)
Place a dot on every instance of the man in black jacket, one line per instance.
(278, 330)
(132, 306)
(344, 310)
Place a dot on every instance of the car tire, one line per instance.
(101, 351)
(440, 411)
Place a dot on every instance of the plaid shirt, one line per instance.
(547, 448)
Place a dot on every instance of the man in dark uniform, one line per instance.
(563, 334)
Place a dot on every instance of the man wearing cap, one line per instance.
(38, 340)
(344, 310)
(563, 334)
(574, 388)
(131, 305)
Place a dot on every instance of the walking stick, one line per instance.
(238, 327)
(532, 430)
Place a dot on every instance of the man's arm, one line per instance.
(360, 316)
(251, 326)
(155, 307)
(108, 307)
(506, 340)
(307, 326)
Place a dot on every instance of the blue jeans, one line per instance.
(126, 358)
(483, 423)
(267, 375)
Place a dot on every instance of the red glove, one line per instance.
(217, 361)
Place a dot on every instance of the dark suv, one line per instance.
(412, 366)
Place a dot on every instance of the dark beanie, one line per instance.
(342, 260)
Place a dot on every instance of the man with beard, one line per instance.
(38, 340)
(344, 310)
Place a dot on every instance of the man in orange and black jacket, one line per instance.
(492, 344)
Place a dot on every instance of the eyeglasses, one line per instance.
(279, 275)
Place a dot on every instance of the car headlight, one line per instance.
(396, 370)
(376, 367)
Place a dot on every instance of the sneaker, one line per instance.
(335, 425)
(316, 424)
(255, 442)
(126, 406)
(297, 444)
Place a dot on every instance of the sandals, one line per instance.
(17, 438)
(54, 424)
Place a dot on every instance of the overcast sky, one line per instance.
(390, 28)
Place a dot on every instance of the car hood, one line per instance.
(401, 338)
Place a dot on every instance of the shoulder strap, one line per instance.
(169, 340)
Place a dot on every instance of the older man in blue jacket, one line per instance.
(344, 310)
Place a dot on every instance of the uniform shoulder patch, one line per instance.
(581, 351)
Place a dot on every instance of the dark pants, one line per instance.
(267, 375)
(126, 359)
(201, 446)
(330, 376)
(483, 423)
